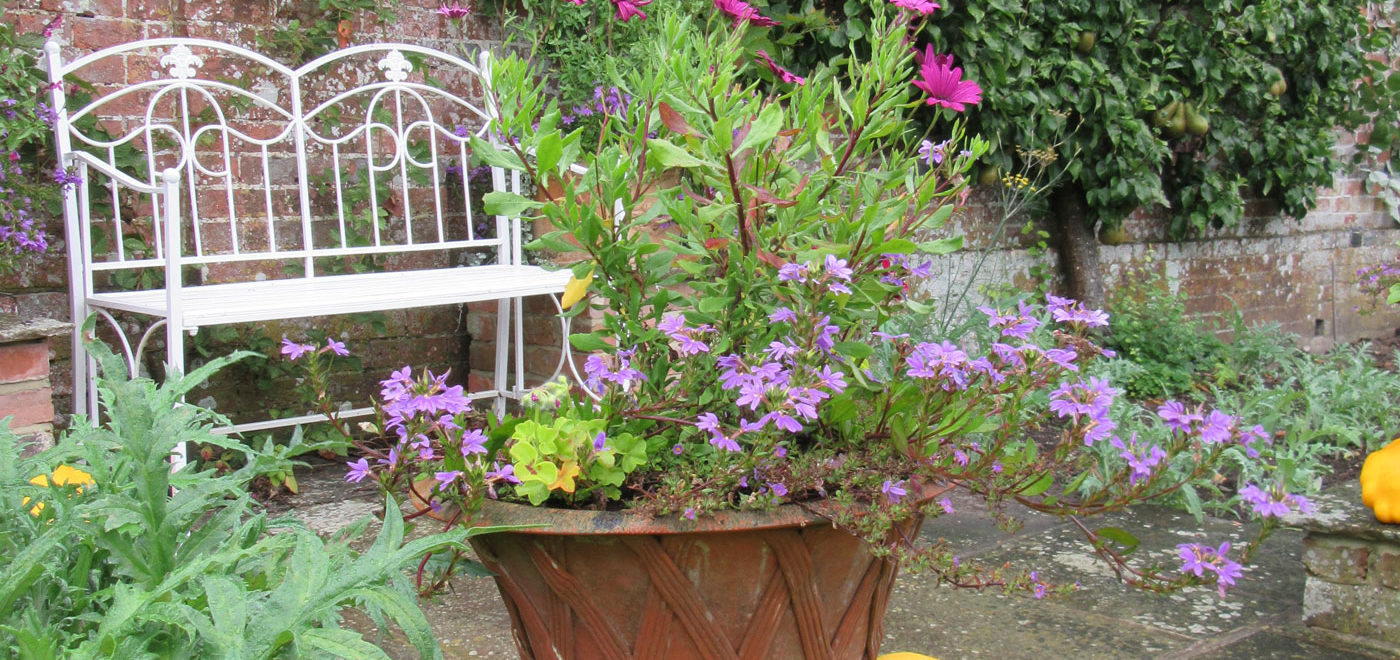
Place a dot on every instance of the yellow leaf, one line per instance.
(576, 289)
(565, 480)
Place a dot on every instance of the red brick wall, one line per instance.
(435, 338)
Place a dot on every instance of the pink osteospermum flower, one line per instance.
(626, 9)
(921, 7)
(944, 83)
(454, 10)
(782, 74)
(743, 11)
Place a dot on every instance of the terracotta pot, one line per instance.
(616, 585)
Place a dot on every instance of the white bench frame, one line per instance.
(182, 178)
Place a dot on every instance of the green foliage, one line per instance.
(142, 562)
(583, 49)
(1316, 410)
(1161, 352)
(1379, 95)
(1222, 58)
(549, 457)
(317, 27)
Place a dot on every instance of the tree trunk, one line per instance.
(1079, 249)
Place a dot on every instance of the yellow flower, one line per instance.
(63, 475)
(575, 290)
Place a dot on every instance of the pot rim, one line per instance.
(559, 522)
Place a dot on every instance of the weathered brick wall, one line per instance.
(1300, 273)
(435, 338)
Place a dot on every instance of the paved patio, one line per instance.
(1261, 618)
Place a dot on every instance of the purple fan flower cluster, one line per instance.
(834, 274)
(607, 101)
(1198, 559)
(1274, 503)
(1144, 459)
(1017, 325)
(597, 374)
(1089, 401)
(687, 338)
(1074, 313)
(1212, 428)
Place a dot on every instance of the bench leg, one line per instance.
(175, 361)
(502, 353)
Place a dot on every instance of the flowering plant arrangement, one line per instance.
(751, 253)
(25, 122)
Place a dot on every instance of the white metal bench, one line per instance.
(242, 182)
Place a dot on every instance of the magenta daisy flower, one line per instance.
(944, 83)
(626, 9)
(921, 7)
(454, 10)
(782, 74)
(743, 11)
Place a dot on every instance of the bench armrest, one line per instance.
(116, 175)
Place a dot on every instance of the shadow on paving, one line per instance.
(1260, 618)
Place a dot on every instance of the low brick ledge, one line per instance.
(14, 329)
(1353, 568)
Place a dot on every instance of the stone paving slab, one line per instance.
(1103, 619)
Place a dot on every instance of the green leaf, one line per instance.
(942, 245)
(1041, 485)
(1120, 537)
(500, 202)
(588, 343)
(896, 246)
(548, 152)
(495, 157)
(341, 643)
(855, 350)
(764, 128)
(664, 153)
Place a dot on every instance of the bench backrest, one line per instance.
(363, 154)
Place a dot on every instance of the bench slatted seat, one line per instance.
(231, 188)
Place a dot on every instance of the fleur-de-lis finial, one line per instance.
(182, 62)
(395, 66)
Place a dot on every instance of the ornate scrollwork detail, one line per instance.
(182, 62)
(395, 66)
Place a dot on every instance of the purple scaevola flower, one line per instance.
(794, 272)
(1073, 312)
(1175, 416)
(358, 470)
(504, 473)
(446, 478)
(294, 351)
(1143, 460)
(1217, 428)
(782, 315)
(894, 490)
(337, 347)
(1198, 559)
(1275, 503)
(1091, 398)
(473, 442)
(931, 152)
